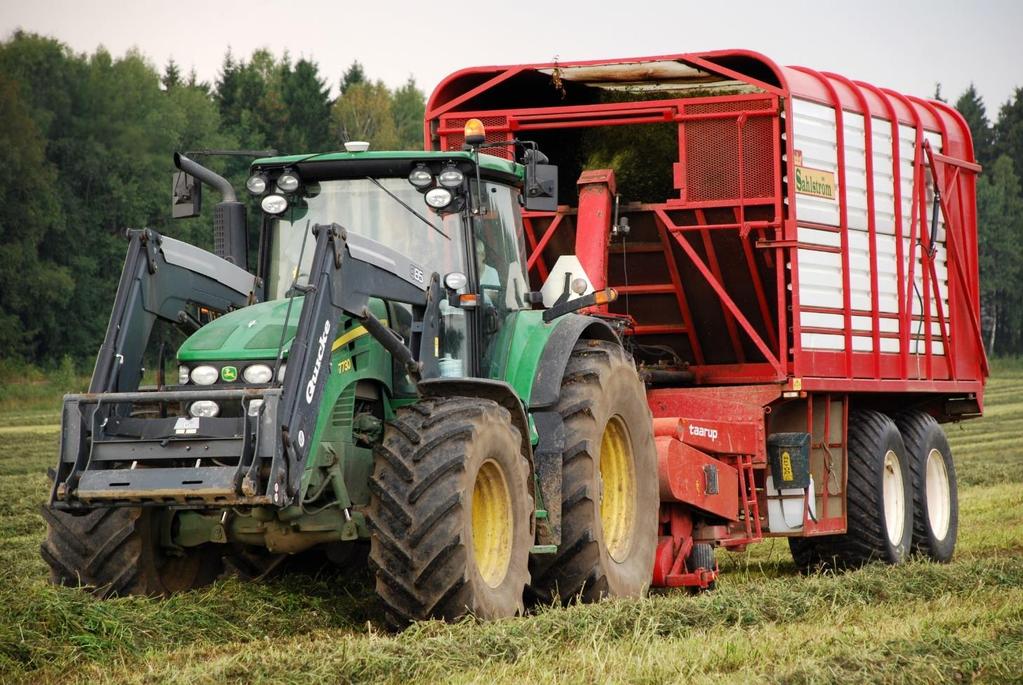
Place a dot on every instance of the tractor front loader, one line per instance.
(385, 375)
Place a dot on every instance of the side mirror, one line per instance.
(187, 196)
(541, 188)
(541, 192)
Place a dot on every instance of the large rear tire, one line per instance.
(118, 552)
(610, 496)
(450, 512)
(879, 501)
(935, 492)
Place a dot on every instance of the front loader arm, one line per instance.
(161, 276)
(110, 456)
(347, 271)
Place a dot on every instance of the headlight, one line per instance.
(280, 373)
(455, 280)
(420, 177)
(206, 409)
(438, 198)
(274, 204)
(450, 177)
(288, 183)
(256, 184)
(254, 406)
(204, 375)
(257, 373)
(182, 375)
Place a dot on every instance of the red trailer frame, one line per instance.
(716, 267)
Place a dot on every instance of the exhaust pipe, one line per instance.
(230, 234)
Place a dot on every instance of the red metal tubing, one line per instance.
(843, 207)
(868, 137)
(726, 300)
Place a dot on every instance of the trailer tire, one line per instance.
(607, 540)
(450, 512)
(702, 556)
(879, 500)
(935, 492)
(117, 552)
(804, 553)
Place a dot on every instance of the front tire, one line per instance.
(118, 551)
(450, 512)
(935, 492)
(610, 496)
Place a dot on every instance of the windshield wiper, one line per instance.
(397, 199)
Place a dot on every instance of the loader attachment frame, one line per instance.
(113, 453)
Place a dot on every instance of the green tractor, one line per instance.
(386, 375)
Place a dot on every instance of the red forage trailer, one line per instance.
(795, 255)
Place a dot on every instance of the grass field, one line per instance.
(920, 622)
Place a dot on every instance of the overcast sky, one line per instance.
(901, 44)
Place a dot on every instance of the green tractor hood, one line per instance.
(244, 334)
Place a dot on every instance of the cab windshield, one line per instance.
(362, 207)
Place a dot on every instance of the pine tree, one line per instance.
(1008, 130)
(971, 106)
(171, 75)
(408, 107)
(307, 101)
(1000, 236)
(226, 89)
(354, 75)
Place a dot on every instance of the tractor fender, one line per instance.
(487, 389)
(551, 369)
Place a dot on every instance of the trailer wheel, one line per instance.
(805, 553)
(935, 492)
(701, 556)
(610, 495)
(118, 551)
(879, 501)
(450, 512)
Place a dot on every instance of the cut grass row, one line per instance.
(916, 623)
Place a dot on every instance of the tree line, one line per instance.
(998, 147)
(87, 140)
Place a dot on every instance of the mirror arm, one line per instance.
(597, 297)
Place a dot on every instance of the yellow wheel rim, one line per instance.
(491, 523)
(618, 489)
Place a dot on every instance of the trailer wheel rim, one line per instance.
(939, 508)
(618, 490)
(894, 497)
(492, 523)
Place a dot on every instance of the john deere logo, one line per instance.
(229, 374)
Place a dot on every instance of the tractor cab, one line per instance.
(453, 214)
(456, 215)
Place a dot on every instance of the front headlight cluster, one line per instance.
(206, 374)
(275, 203)
(439, 191)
